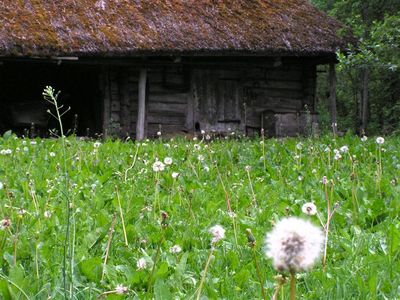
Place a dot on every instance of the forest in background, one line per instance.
(368, 76)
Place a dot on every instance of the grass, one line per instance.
(117, 200)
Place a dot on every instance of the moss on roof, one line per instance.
(132, 27)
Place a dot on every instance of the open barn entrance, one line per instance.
(23, 110)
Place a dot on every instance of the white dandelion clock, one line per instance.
(168, 161)
(380, 140)
(217, 232)
(175, 175)
(294, 245)
(309, 208)
(141, 264)
(364, 138)
(158, 166)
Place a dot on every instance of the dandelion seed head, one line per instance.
(141, 264)
(309, 208)
(380, 140)
(168, 161)
(294, 245)
(47, 214)
(175, 175)
(344, 149)
(158, 166)
(52, 154)
(121, 290)
(217, 232)
(203, 132)
(175, 249)
(96, 144)
(159, 133)
(364, 138)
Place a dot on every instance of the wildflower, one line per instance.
(309, 208)
(208, 137)
(175, 249)
(200, 157)
(294, 245)
(344, 149)
(168, 161)
(158, 166)
(5, 151)
(206, 168)
(299, 146)
(217, 232)
(203, 132)
(380, 140)
(338, 156)
(5, 223)
(364, 138)
(195, 138)
(52, 154)
(296, 157)
(33, 142)
(300, 178)
(96, 144)
(26, 149)
(47, 214)
(120, 289)
(197, 147)
(175, 175)
(141, 264)
(314, 171)
(324, 180)
(247, 168)
(159, 133)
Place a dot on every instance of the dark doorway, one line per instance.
(21, 100)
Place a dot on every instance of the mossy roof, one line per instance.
(41, 28)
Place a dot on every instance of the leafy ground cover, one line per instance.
(140, 229)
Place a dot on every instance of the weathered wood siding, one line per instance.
(186, 98)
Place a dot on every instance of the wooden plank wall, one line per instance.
(182, 98)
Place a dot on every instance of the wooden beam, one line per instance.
(141, 117)
(332, 97)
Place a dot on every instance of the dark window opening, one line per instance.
(22, 103)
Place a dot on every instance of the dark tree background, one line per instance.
(368, 92)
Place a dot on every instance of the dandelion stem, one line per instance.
(292, 286)
(203, 277)
(110, 234)
(122, 217)
(264, 296)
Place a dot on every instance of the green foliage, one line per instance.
(376, 25)
(363, 252)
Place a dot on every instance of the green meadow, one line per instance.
(88, 219)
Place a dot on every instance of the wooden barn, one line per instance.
(133, 67)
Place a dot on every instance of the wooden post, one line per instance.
(141, 117)
(332, 97)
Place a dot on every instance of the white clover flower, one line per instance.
(309, 208)
(344, 149)
(52, 154)
(217, 232)
(294, 245)
(121, 290)
(168, 161)
(1, 185)
(47, 214)
(380, 140)
(158, 166)
(337, 156)
(175, 249)
(364, 138)
(96, 144)
(175, 175)
(4, 224)
(141, 264)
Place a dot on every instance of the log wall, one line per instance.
(185, 98)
